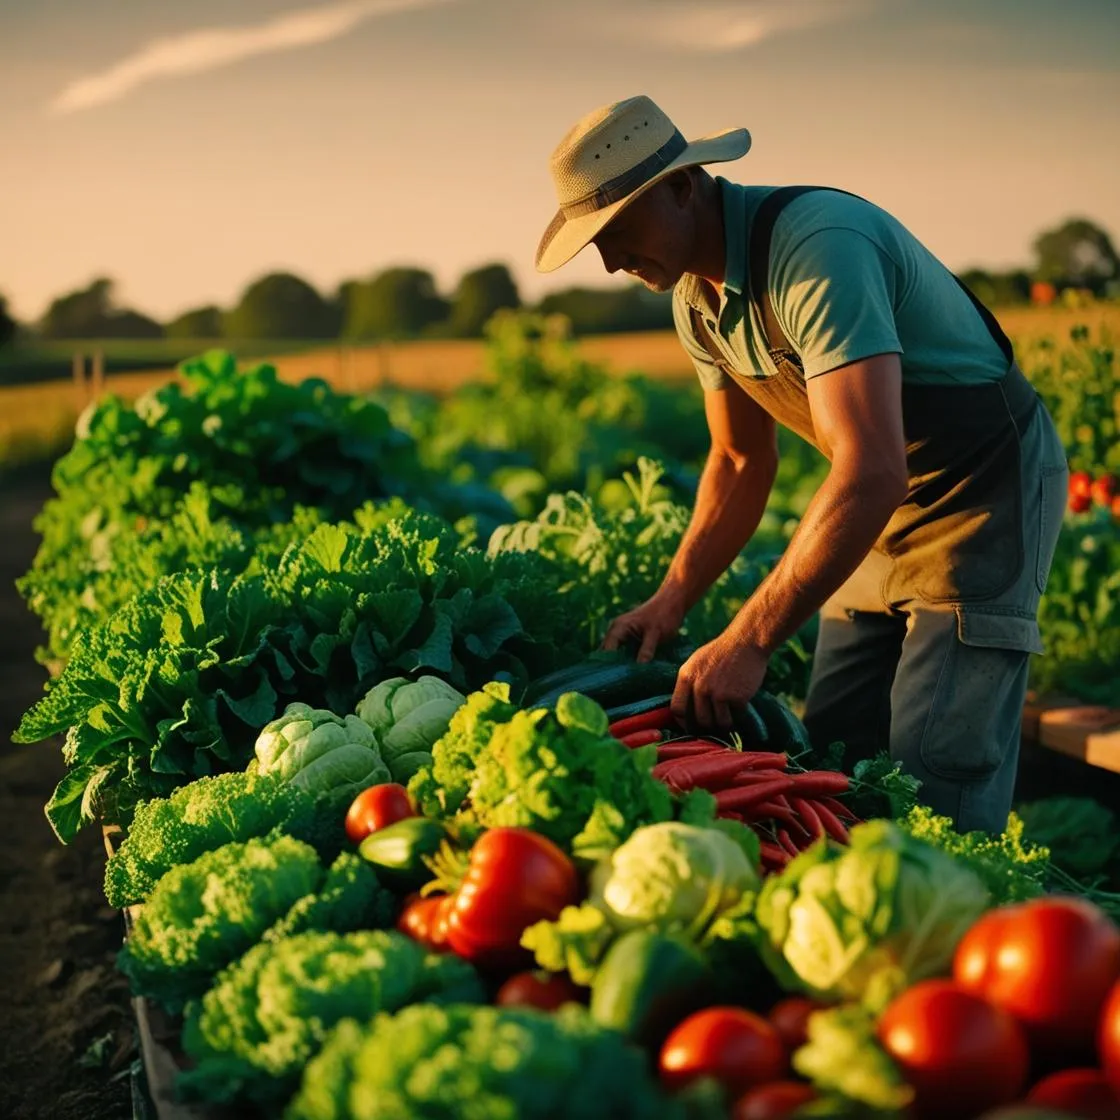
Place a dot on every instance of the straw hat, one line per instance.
(611, 156)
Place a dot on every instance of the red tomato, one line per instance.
(736, 1047)
(1080, 1092)
(1080, 484)
(961, 1054)
(1108, 1038)
(546, 990)
(774, 1101)
(1115, 507)
(1049, 962)
(1079, 503)
(377, 807)
(425, 919)
(1103, 489)
(515, 877)
(789, 1018)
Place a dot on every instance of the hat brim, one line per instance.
(565, 237)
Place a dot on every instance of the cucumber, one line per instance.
(397, 850)
(787, 732)
(608, 685)
(647, 983)
(638, 707)
(751, 728)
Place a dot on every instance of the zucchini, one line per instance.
(638, 707)
(647, 983)
(397, 850)
(787, 732)
(751, 727)
(608, 685)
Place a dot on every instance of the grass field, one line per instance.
(37, 419)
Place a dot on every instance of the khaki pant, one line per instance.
(942, 686)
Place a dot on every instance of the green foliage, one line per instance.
(179, 682)
(439, 1063)
(1082, 835)
(199, 817)
(396, 303)
(480, 293)
(1077, 254)
(268, 1014)
(91, 313)
(280, 305)
(201, 322)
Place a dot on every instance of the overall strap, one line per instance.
(762, 230)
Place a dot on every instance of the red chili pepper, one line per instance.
(643, 721)
(640, 738)
(832, 823)
(772, 856)
(813, 783)
(808, 815)
(786, 842)
(684, 748)
(740, 798)
(839, 808)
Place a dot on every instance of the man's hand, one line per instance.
(716, 680)
(657, 619)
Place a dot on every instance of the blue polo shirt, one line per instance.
(847, 281)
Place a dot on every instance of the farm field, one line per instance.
(246, 541)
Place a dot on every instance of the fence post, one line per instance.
(98, 385)
(78, 369)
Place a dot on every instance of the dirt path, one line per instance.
(62, 995)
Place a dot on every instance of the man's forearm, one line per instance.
(843, 521)
(730, 501)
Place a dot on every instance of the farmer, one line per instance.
(928, 545)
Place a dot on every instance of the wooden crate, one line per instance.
(1086, 732)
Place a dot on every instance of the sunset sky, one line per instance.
(186, 149)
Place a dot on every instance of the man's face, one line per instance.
(651, 238)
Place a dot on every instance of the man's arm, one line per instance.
(857, 413)
(730, 498)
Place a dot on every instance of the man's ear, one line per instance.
(682, 184)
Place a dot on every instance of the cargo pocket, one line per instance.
(1051, 511)
(977, 704)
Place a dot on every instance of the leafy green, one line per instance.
(267, 1014)
(430, 1062)
(201, 816)
(203, 915)
(1011, 867)
(1082, 834)
(843, 1056)
(866, 920)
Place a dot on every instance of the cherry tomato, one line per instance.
(377, 807)
(546, 990)
(1079, 503)
(1080, 484)
(789, 1018)
(1108, 1038)
(1049, 962)
(736, 1047)
(1080, 1092)
(774, 1101)
(1103, 489)
(515, 877)
(961, 1054)
(425, 919)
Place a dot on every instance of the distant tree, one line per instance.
(91, 313)
(279, 305)
(397, 303)
(480, 293)
(8, 325)
(1077, 254)
(998, 289)
(608, 310)
(202, 322)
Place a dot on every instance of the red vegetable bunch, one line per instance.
(788, 809)
(1086, 491)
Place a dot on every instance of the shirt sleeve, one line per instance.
(710, 375)
(834, 298)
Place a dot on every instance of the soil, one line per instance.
(67, 1034)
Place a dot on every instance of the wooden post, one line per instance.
(98, 386)
(78, 368)
(382, 364)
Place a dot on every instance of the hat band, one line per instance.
(616, 189)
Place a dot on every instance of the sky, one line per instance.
(184, 150)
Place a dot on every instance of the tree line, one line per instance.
(404, 302)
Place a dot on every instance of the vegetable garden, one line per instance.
(394, 837)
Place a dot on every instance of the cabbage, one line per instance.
(319, 751)
(673, 877)
(866, 921)
(407, 717)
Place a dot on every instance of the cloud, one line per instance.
(723, 27)
(194, 52)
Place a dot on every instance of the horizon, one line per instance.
(185, 154)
